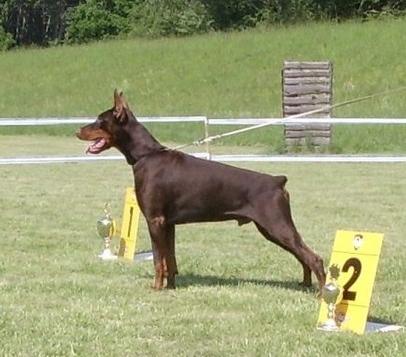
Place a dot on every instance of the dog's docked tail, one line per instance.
(280, 181)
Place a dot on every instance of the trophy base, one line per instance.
(107, 255)
(330, 326)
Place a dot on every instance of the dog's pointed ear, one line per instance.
(117, 98)
(120, 107)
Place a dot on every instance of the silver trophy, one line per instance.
(330, 293)
(106, 227)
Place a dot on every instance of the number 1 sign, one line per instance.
(355, 257)
(129, 227)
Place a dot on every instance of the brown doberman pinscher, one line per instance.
(175, 188)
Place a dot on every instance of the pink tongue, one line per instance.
(96, 146)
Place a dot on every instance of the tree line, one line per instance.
(47, 22)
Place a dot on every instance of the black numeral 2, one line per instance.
(356, 265)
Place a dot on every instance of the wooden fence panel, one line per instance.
(307, 86)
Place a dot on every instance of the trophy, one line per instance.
(329, 294)
(105, 229)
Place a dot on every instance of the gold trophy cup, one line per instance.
(106, 227)
(330, 293)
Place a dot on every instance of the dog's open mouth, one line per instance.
(97, 146)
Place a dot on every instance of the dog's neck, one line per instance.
(135, 142)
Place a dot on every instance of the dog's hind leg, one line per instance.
(275, 223)
(307, 277)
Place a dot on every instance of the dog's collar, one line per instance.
(133, 161)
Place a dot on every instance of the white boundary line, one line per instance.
(310, 158)
(221, 158)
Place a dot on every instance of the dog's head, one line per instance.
(103, 133)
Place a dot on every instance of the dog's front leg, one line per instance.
(170, 259)
(157, 231)
(154, 252)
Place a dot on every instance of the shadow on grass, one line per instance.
(379, 320)
(186, 280)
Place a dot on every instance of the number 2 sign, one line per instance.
(356, 254)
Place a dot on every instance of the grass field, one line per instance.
(217, 75)
(237, 294)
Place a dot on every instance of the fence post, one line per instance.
(307, 86)
(206, 133)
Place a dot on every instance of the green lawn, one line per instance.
(218, 75)
(237, 293)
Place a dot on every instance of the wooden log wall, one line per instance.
(307, 86)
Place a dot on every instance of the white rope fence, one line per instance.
(88, 120)
(261, 122)
(190, 119)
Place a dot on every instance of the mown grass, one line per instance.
(237, 294)
(217, 75)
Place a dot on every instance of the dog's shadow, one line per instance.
(190, 279)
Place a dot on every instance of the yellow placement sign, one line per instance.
(353, 264)
(129, 226)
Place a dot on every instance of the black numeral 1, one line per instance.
(130, 222)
